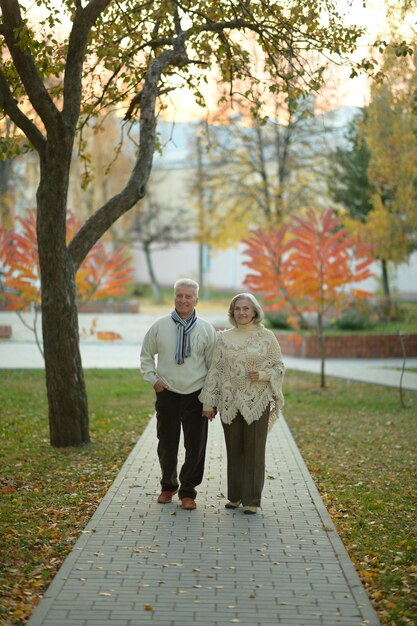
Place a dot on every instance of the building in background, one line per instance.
(224, 269)
(168, 191)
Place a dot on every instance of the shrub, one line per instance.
(389, 311)
(360, 315)
(277, 319)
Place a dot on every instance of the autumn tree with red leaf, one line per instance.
(266, 250)
(309, 268)
(103, 274)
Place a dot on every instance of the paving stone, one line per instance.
(150, 563)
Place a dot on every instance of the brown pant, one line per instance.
(245, 446)
(173, 412)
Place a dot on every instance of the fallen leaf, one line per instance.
(108, 335)
(8, 489)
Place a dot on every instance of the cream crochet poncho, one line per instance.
(228, 386)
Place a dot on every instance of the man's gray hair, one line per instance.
(259, 314)
(187, 282)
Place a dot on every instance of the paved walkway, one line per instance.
(140, 562)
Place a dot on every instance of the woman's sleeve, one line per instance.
(274, 370)
(210, 393)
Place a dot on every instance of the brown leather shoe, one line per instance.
(165, 497)
(188, 504)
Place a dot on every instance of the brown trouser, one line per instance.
(173, 411)
(245, 446)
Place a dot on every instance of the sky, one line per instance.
(373, 17)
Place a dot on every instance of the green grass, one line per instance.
(360, 447)
(358, 443)
(48, 495)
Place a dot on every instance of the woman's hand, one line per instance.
(209, 414)
(253, 375)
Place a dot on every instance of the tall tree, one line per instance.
(348, 179)
(62, 65)
(349, 185)
(309, 267)
(256, 167)
(219, 220)
(155, 227)
(390, 130)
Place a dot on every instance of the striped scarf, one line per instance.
(184, 328)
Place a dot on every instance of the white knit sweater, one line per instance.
(228, 387)
(158, 355)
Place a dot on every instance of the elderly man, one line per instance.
(183, 344)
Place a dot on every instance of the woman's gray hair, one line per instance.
(187, 282)
(259, 314)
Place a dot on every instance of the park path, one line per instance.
(138, 562)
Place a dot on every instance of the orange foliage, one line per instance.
(308, 266)
(103, 274)
(20, 266)
(266, 249)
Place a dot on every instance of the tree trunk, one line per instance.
(154, 282)
(387, 304)
(201, 211)
(322, 350)
(385, 279)
(67, 398)
(5, 179)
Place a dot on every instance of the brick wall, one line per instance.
(5, 332)
(358, 346)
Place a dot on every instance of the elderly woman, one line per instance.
(244, 384)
